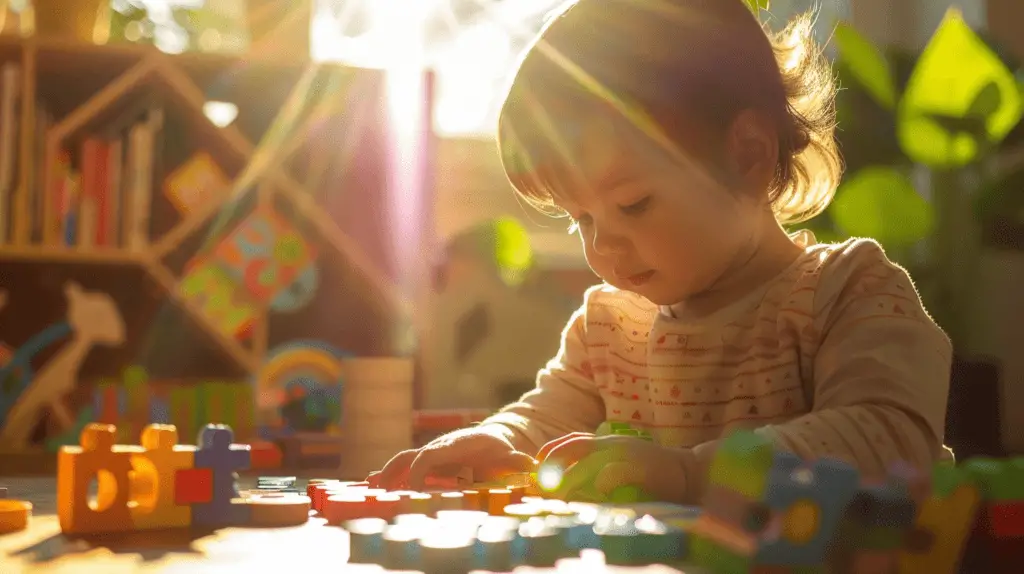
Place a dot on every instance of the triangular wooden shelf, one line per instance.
(184, 93)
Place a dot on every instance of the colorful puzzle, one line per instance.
(218, 296)
(265, 255)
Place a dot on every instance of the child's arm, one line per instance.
(881, 373)
(565, 399)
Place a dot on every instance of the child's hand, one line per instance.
(485, 450)
(593, 464)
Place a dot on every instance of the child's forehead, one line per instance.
(605, 157)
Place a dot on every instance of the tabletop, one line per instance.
(313, 546)
(43, 548)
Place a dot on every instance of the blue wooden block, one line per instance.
(217, 453)
(807, 503)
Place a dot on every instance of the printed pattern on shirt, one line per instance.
(838, 357)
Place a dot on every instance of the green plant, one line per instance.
(947, 118)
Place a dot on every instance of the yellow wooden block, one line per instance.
(153, 475)
(98, 458)
(949, 521)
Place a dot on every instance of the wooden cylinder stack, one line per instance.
(377, 412)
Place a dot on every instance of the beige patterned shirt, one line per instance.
(835, 356)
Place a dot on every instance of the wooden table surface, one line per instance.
(313, 547)
(42, 547)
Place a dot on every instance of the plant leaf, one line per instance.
(512, 249)
(961, 99)
(882, 203)
(866, 64)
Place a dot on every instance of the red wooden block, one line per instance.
(193, 486)
(1006, 519)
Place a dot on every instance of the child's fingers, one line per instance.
(545, 450)
(570, 451)
(395, 471)
(582, 476)
(429, 459)
(511, 463)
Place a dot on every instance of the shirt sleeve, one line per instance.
(880, 376)
(565, 400)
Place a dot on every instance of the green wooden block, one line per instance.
(742, 463)
(999, 480)
(946, 479)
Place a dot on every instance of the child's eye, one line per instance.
(636, 207)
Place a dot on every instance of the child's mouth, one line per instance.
(640, 278)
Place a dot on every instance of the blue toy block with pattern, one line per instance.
(807, 502)
(879, 518)
(217, 453)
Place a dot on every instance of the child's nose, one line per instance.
(608, 242)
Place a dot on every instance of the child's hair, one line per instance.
(680, 70)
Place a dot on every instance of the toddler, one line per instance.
(679, 136)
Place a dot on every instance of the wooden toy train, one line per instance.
(765, 511)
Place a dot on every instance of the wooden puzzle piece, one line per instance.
(807, 502)
(1002, 489)
(874, 530)
(110, 464)
(724, 538)
(944, 523)
(193, 486)
(217, 453)
(742, 464)
(154, 479)
(14, 515)
(278, 509)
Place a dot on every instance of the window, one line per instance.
(472, 45)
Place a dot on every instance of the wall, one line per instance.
(471, 187)
(1004, 19)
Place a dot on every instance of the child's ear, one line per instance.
(753, 148)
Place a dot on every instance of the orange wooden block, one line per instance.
(472, 500)
(497, 500)
(449, 501)
(110, 465)
(153, 479)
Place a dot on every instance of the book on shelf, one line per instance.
(102, 195)
(96, 193)
(10, 97)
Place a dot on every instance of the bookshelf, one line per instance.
(88, 101)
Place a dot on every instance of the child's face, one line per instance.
(662, 228)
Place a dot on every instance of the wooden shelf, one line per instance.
(84, 87)
(50, 254)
